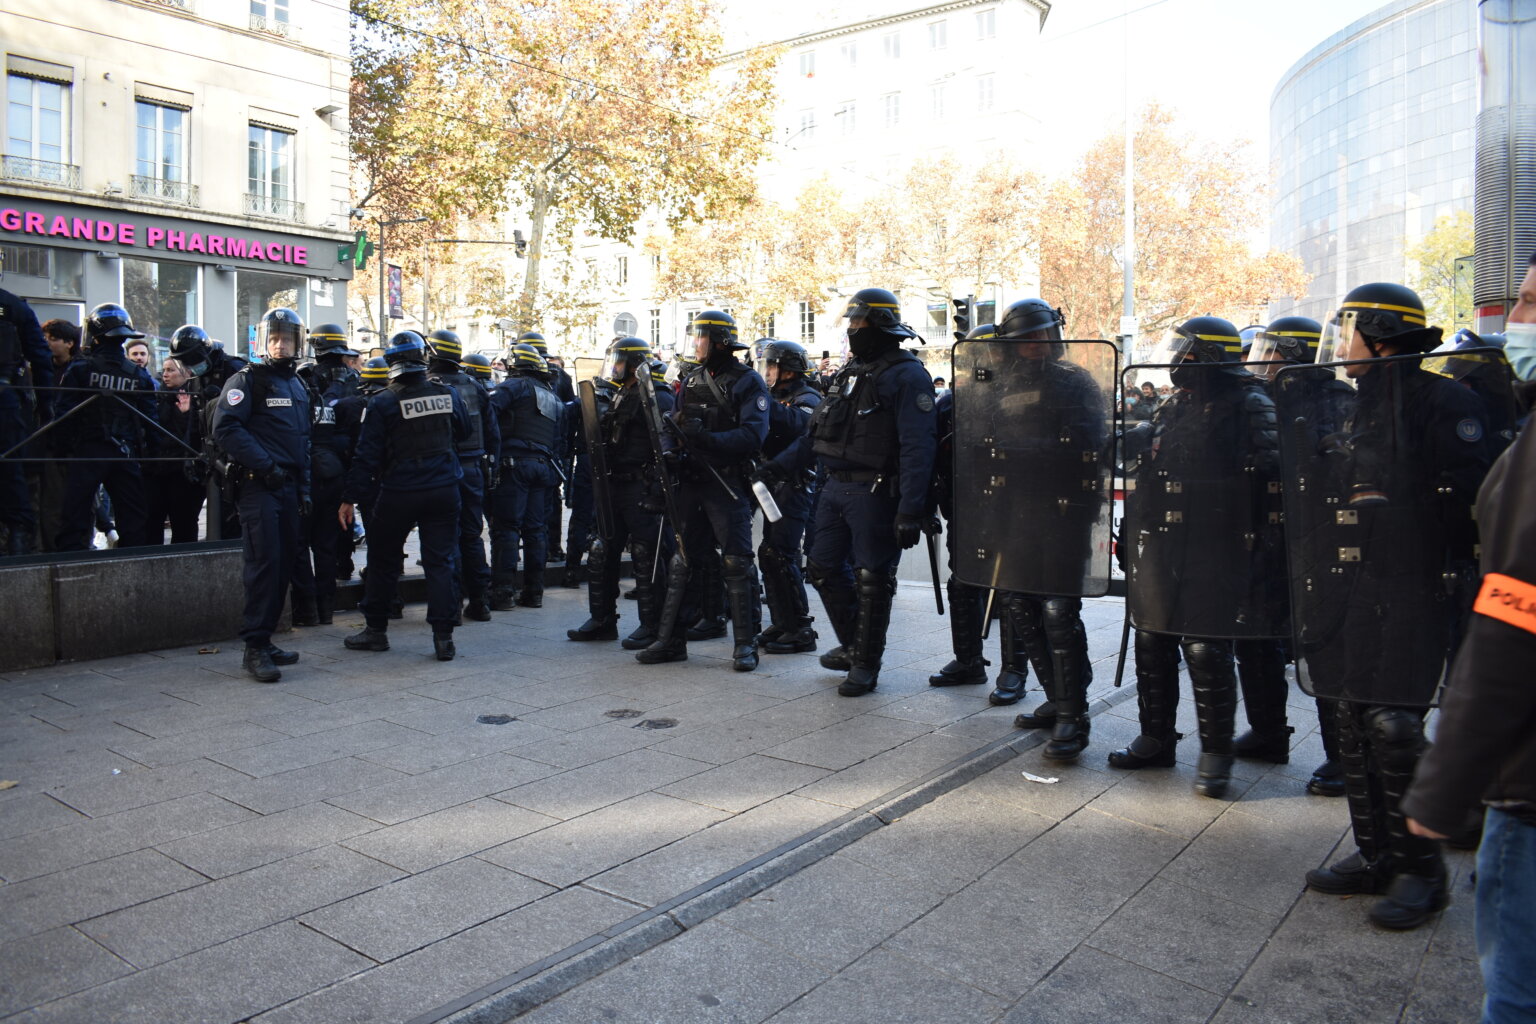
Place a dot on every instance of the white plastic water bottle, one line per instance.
(765, 499)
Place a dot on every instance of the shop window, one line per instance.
(160, 296)
(255, 293)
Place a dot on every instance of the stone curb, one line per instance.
(507, 998)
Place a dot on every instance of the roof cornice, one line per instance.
(1043, 6)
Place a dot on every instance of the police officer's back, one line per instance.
(21, 410)
(479, 447)
(261, 423)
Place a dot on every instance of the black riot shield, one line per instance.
(597, 452)
(1032, 470)
(651, 413)
(1202, 528)
(1379, 535)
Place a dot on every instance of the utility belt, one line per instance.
(508, 461)
(879, 481)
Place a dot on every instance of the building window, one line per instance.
(938, 35)
(270, 16)
(892, 45)
(37, 131)
(936, 97)
(891, 104)
(655, 329)
(984, 85)
(808, 64)
(621, 272)
(160, 167)
(850, 54)
(269, 173)
(807, 323)
(986, 23)
(773, 325)
(807, 125)
(162, 296)
(847, 118)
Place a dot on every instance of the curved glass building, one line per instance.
(1371, 141)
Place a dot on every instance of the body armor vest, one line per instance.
(425, 430)
(798, 395)
(628, 438)
(476, 402)
(700, 401)
(113, 372)
(535, 414)
(851, 425)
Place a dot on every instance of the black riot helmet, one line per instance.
(535, 339)
(1288, 341)
(330, 340)
(407, 353)
(624, 356)
(477, 366)
(279, 326)
(190, 347)
(719, 327)
(982, 332)
(658, 372)
(790, 356)
(375, 374)
(524, 360)
(1380, 312)
(880, 309)
(446, 346)
(109, 322)
(1201, 339)
(1027, 316)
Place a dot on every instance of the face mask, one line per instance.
(864, 342)
(1520, 349)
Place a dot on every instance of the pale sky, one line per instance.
(1215, 61)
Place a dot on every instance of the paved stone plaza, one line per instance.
(386, 838)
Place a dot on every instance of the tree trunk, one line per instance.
(543, 199)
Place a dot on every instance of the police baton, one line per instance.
(931, 534)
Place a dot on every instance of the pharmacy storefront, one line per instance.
(64, 258)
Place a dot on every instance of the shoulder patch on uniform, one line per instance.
(1469, 430)
(235, 396)
(925, 401)
(762, 403)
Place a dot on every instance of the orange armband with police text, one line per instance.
(1508, 600)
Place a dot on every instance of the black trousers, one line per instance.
(269, 527)
(435, 514)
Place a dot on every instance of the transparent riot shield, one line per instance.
(1378, 522)
(1033, 475)
(1202, 528)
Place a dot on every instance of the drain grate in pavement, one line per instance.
(496, 719)
(622, 713)
(654, 723)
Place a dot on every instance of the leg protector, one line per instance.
(1396, 737)
(968, 666)
(1157, 699)
(1214, 676)
(1261, 675)
(1020, 615)
(841, 602)
(876, 591)
(1069, 667)
(1328, 778)
(648, 594)
(671, 643)
(742, 592)
(1361, 786)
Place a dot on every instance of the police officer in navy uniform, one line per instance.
(408, 451)
(565, 390)
(531, 423)
(632, 469)
(210, 368)
(110, 430)
(330, 380)
(875, 435)
(787, 372)
(21, 346)
(483, 441)
(262, 423)
(722, 422)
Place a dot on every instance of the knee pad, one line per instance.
(1156, 654)
(1025, 611)
(597, 551)
(1397, 737)
(736, 567)
(818, 574)
(1062, 617)
(1208, 658)
(770, 558)
(869, 580)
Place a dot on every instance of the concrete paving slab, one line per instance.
(743, 784)
(580, 790)
(866, 992)
(225, 851)
(52, 964)
(142, 786)
(309, 784)
(848, 742)
(1229, 860)
(296, 752)
(79, 893)
(411, 796)
(449, 834)
(35, 812)
(1091, 987)
(891, 770)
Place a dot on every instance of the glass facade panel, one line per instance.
(255, 293)
(160, 297)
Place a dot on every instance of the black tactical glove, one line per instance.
(770, 473)
(1120, 559)
(274, 478)
(909, 530)
(694, 431)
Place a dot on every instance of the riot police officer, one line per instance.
(564, 390)
(1291, 341)
(721, 423)
(21, 346)
(330, 380)
(407, 453)
(111, 430)
(483, 441)
(1202, 566)
(261, 423)
(875, 436)
(1383, 525)
(210, 368)
(786, 370)
(625, 495)
(530, 423)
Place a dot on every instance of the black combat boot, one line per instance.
(1071, 671)
(876, 591)
(648, 597)
(1349, 877)
(1157, 695)
(797, 640)
(594, 629)
(1214, 678)
(705, 629)
(368, 639)
(1024, 633)
(305, 613)
(1410, 901)
(531, 599)
(477, 610)
(1328, 778)
(741, 591)
(791, 632)
(280, 656)
(1261, 674)
(968, 667)
(841, 604)
(671, 642)
(258, 664)
(442, 646)
(325, 609)
(1011, 681)
(503, 596)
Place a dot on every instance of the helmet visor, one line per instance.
(1172, 348)
(279, 339)
(1264, 358)
(873, 314)
(1338, 337)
